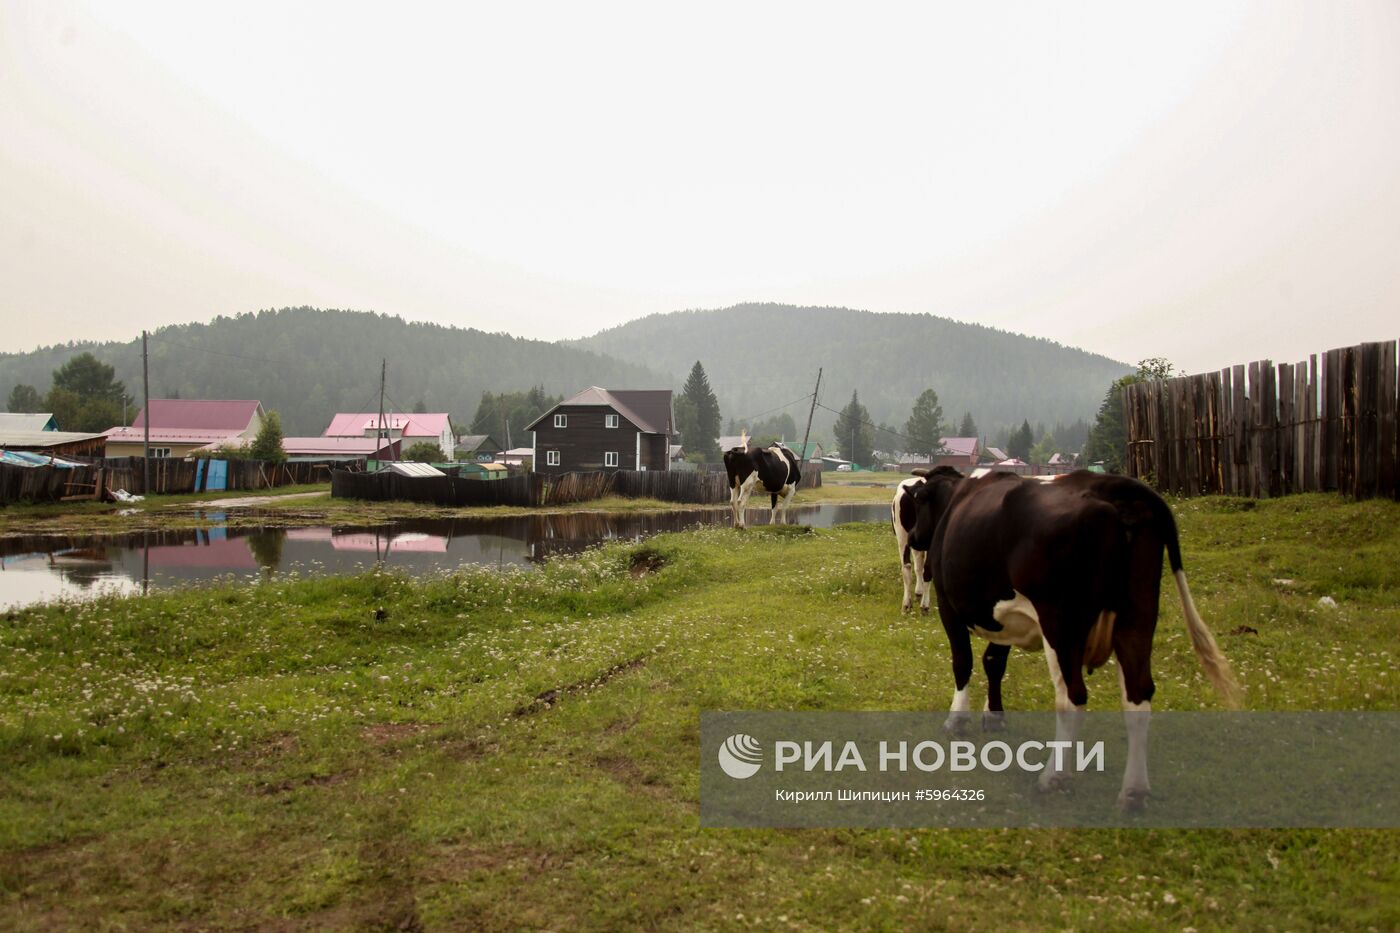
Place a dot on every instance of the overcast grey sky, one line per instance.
(1212, 182)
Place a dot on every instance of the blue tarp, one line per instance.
(26, 459)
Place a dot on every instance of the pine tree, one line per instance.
(854, 434)
(1019, 447)
(700, 410)
(925, 425)
(25, 398)
(968, 428)
(268, 444)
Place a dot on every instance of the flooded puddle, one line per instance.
(39, 568)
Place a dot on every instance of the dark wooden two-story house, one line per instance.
(605, 429)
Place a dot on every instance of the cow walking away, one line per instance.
(774, 468)
(911, 558)
(1073, 567)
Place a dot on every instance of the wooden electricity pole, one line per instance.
(810, 412)
(146, 392)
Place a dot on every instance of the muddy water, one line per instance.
(45, 567)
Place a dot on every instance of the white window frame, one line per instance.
(160, 452)
(610, 421)
(561, 421)
(551, 458)
(610, 458)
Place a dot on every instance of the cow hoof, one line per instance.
(993, 722)
(958, 724)
(1052, 781)
(905, 608)
(923, 609)
(1134, 800)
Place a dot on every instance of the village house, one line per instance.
(958, 452)
(341, 448)
(410, 428)
(482, 448)
(37, 433)
(605, 429)
(180, 426)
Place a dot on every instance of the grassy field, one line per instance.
(313, 505)
(515, 750)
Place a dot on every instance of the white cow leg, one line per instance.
(905, 572)
(922, 588)
(959, 713)
(1067, 720)
(1136, 789)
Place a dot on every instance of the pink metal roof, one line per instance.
(960, 446)
(199, 415)
(135, 435)
(357, 424)
(345, 446)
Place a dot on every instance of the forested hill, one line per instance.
(761, 355)
(308, 364)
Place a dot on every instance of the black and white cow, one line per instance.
(911, 558)
(774, 468)
(1073, 566)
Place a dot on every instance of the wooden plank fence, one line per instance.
(169, 475)
(538, 489)
(1324, 424)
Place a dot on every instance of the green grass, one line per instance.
(500, 751)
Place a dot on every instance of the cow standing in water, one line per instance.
(1073, 567)
(774, 468)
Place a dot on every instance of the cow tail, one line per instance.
(1213, 662)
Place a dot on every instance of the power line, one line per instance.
(779, 408)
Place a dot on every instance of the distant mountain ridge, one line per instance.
(308, 364)
(761, 355)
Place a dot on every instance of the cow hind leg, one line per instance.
(1133, 650)
(1071, 696)
(959, 715)
(905, 572)
(994, 666)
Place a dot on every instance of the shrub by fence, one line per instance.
(1327, 423)
(536, 489)
(169, 475)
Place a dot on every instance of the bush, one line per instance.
(424, 452)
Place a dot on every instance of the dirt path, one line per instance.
(245, 501)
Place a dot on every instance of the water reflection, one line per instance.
(45, 567)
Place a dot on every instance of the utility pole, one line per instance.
(810, 412)
(146, 391)
(381, 430)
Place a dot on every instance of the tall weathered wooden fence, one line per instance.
(168, 475)
(1327, 423)
(536, 489)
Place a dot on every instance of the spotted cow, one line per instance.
(774, 468)
(1072, 567)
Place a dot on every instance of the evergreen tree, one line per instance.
(1019, 446)
(854, 435)
(518, 409)
(86, 395)
(25, 398)
(700, 430)
(268, 444)
(968, 428)
(1107, 442)
(925, 426)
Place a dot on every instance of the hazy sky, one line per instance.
(1212, 182)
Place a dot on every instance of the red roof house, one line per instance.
(180, 425)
